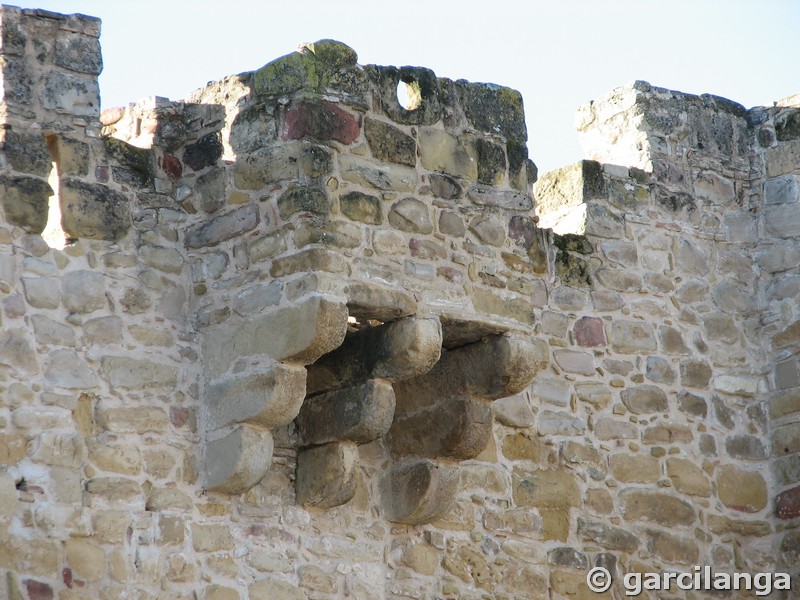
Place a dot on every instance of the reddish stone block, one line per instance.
(321, 120)
(38, 590)
(171, 165)
(788, 504)
(589, 332)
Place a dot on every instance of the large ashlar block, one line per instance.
(267, 396)
(395, 351)
(454, 427)
(239, 460)
(327, 475)
(420, 492)
(358, 414)
(300, 334)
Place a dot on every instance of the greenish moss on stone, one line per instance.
(572, 270)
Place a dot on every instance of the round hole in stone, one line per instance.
(409, 94)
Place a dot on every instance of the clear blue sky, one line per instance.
(558, 53)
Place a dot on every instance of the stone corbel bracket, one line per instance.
(255, 381)
(429, 387)
(444, 416)
(351, 401)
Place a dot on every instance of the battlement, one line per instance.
(309, 338)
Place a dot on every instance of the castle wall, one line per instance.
(307, 343)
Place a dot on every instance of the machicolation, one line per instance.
(298, 340)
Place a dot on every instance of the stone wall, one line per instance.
(306, 343)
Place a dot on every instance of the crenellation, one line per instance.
(306, 341)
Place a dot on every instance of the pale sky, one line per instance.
(558, 53)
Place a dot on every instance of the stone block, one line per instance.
(289, 161)
(786, 439)
(446, 153)
(688, 478)
(388, 143)
(362, 413)
(25, 201)
(420, 492)
(674, 549)
(781, 190)
(454, 427)
(321, 120)
(83, 291)
(223, 227)
(133, 419)
(787, 504)
(86, 559)
(635, 468)
(545, 489)
(377, 175)
(270, 589)
(370, 301)
(327, 475)
(607, 536)
(645, 399)
(783, 221)
(299, 333)
(361, 207)
(268, 396)
(514, 411)
(656, 507)
(211, 538)
(71, 94)
(394, 351)
(632, 337)
(238, 461)
(93, 211)
(137, 373)
(507, 307)
(740, 489)
(505, 199)
(412, 215)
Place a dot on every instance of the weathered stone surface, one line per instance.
(607, 536)
(632, 337)
(514, 411)
(635, 468)
(394, 351)
(361, 207)
(420, 492)
(687, 477)
(657, 507)
(327, 475)
(304, 200)
(746, 447)
(377, 175)
(370, 301)
(322, 120)
(203, 153)
(25, 201)
(545, 489)
(359, 414)
(589, 332)
(266, 396)
(269, 589)
(644, 399)
(300, 333)
(574, 361)
(65, 369)
(740, 489)
(388, 143)
(490, 196)
(787, 505)
(93, 211)
(138, 419)
(411, 215)
(83, 291)
(223, 227)
(136, 373)
(238, 461)
(454, 427)
(673, 548)
(289, 161)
